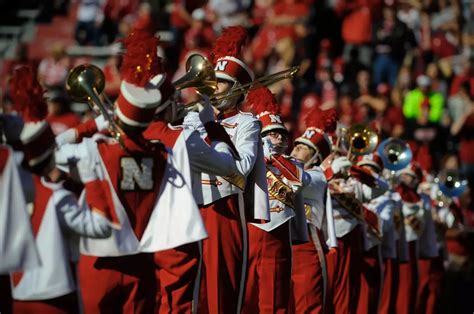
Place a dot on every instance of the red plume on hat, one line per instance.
(318, 124)
(261, 100)
(229, 43)
(227, 56)
(27, 95)
(36, 137)
(141, 62)
(145, 86)
(263, 103)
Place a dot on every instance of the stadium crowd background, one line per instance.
(403, 66)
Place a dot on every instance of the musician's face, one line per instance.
(278, 138)
(223, 86)
(302, 153)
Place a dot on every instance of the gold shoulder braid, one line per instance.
(278, 190)
(236, 179)
(307, 211)
(347, 200)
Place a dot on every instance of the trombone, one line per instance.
(201, 75)
(360, 140)
(85, 83)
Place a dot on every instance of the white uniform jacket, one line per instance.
(346, 220)
(59, 221)
(314, 193)
(286, 201)
(244, 132)
(17, 245)
(175, 219)
(427, 244)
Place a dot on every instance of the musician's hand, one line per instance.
(206, 114)
(268, 148)
(340, 165)
(102, 123)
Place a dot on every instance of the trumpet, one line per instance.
(85, 83)
(201, 75)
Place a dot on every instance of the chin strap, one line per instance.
(313, 160)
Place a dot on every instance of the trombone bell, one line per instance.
(83, 77)
(199, 74)
(361, 140)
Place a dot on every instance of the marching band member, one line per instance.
(149, 263)
(269, 262)
(394, 247)
(430, 263)
(18, 249)
(223, 196)
(309, 274)
(413, 209)
(371, 276)
(55, 214)
(347, 198)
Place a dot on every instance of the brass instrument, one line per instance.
(360, 140)
(395, 154)
(200, 74)
(266, 80)
(85, 83)
(451, 183)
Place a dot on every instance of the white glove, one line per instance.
(340, 165)
(86, 170)
(66, 137)
(206, 114)
(101, 123)
(268, 149)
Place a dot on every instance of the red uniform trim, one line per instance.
(86, 129)
(159, 130)
(138, 204)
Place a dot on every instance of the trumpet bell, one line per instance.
(199, 75)
(395, 154)
(360, 140)
(451, 184)
(83, 77)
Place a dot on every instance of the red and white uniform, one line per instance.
(347, 198)
(161, 219)
(414, 212)
(268, 283)
(225, 210)
(55, 214)
(430, 265)
(371, 275)
(310, 276)
(390, 214)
